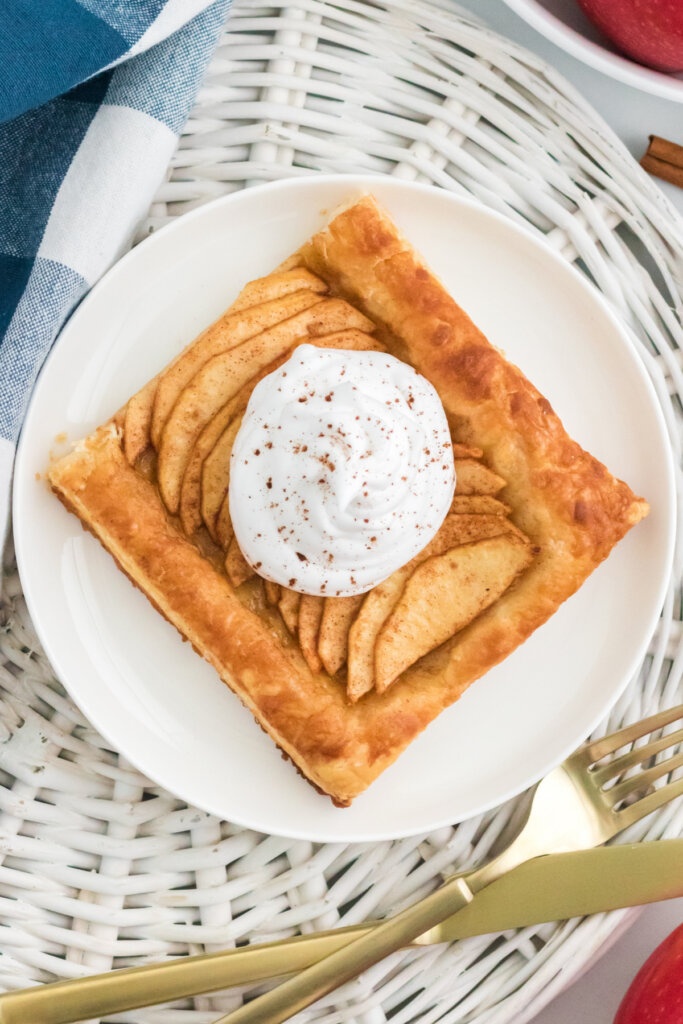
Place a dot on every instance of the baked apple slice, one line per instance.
(466, 451)
(190, 492)
(216, 475)
(379, 603)
(310, 615)
(444, 595)
(223, 529)
(138, 420)
(236, 565)
(474, 477)
(479, 504)
(333, 639)
(274, 286)
(288, 606)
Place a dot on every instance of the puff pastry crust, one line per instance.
(562, 498)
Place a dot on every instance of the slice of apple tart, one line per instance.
(347, 500)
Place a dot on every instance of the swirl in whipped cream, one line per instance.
(341, 471)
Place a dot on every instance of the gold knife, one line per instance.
(551, 888)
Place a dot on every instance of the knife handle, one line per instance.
(102, 995)
(294, 995)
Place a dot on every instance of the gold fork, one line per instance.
(583, 802)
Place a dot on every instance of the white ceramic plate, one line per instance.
(158, 702)
(564, 23)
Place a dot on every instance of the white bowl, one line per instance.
(564, 23)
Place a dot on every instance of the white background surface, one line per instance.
(634, 115)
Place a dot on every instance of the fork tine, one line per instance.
(637, 756)
(644, 779)
(595, 751)
(647, 804)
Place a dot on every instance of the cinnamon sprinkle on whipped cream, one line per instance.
(341, 471)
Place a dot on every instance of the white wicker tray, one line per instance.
(98, 868)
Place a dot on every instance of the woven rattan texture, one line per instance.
(100, 869)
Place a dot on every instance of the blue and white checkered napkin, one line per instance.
(93, 94)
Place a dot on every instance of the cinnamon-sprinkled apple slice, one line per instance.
(333, 639)
(379, 603)
(190, 494)
(236, 565)
(275, 286)
(216, 475)
(310, 615)
(288, 606)
(444, 595)
(140, 408)
(479, 504)
(223, 528)
(466, 451)
(138, 420)
(472, 477)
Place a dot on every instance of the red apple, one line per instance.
(656, 992)
(649, 31)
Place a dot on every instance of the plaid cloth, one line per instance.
(93, 95)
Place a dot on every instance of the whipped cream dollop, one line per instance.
(341, 471)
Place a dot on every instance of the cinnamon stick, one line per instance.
(664, 159)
